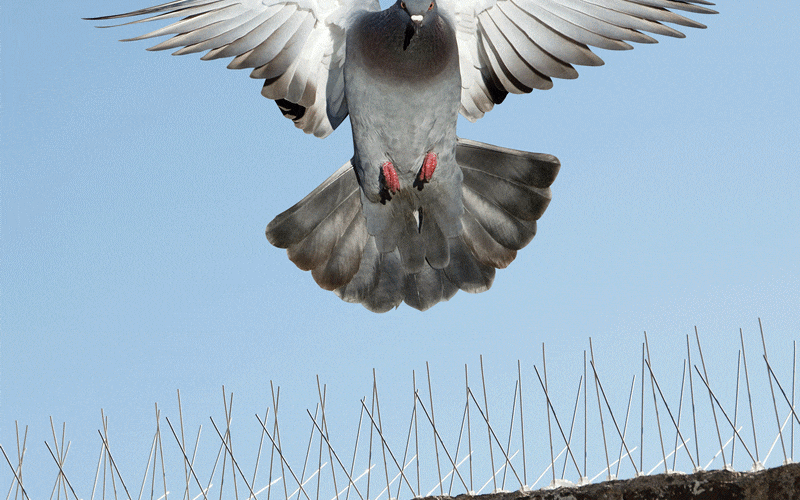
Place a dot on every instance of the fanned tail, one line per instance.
(504, 192)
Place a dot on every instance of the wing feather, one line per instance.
(253, 38)
(236, 30)
(503, 56)
(275, 44)
(295, 46)
(565, 24)
(549, 39)
(528, 50)
(194, 22)
(203, 34)
(519, 45)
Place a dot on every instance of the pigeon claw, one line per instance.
(428, 166)
(390, 179)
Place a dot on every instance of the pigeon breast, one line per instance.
(394, 48)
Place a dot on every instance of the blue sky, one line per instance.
(135, 189)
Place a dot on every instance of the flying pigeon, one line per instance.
(417, 213)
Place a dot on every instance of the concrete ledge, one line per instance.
(780, 483)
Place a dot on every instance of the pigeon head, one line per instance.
(419, 12)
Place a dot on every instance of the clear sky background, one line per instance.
(135, 189)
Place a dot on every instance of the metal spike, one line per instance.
(160, 450)
(547, 411)
(772, 374)
(772, 391)
(146, 467)
(405, 452)
(386, 445)
(437, 436)
(114, 464)
(229, 449)
(641, 418)
(625, 426)
(510, 430)
(735, 406)
(433, 424)
(713, 411)
(705, 382)
(186, 459)
(380, 426)
(20, 457)
(183, 445)
(416, 425)
(614, 420)
(555, 416)
(489, 427)
(458, 449)
(275, 400)
(283, 460)
(16, 476)
(794, 366)
(522, 424)
(308, 450)
(469, 430)
(258, 455)
(677, 427)
(325, 427)
(749, 399)
(585, 421)
(355, 449)
(333, 452)
(691, 393)
(680, 411)
(572, 425)
(655, 404)
(600, 409)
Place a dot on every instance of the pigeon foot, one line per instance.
(428, 167)
(390, 179)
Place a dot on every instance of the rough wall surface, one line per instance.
(780, 483)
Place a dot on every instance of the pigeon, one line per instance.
(417, 213)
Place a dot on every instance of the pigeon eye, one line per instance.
(430, 7)
(403, 5)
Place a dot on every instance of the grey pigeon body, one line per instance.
(417, 213)
(402, 84)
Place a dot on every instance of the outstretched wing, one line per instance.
(296, 46)
(520, 45)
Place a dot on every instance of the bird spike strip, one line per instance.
(471, 456)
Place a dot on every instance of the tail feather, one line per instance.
(359, 288)
(427, 288)
(415, 259)
(508, 230)
(296, 223)
(411, 245)
(485, 248)
(466, 272)
(345, 258)
(314, 250)
(524, 202)
(437, 251)
(529, 169)
(388, 290)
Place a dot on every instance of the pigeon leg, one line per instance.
(390, 179)
(428, 166)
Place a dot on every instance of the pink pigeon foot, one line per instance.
(390, 178)
(428, 166)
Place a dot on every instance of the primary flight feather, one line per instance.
(417, 213)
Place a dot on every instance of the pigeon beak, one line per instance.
(417, 18)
